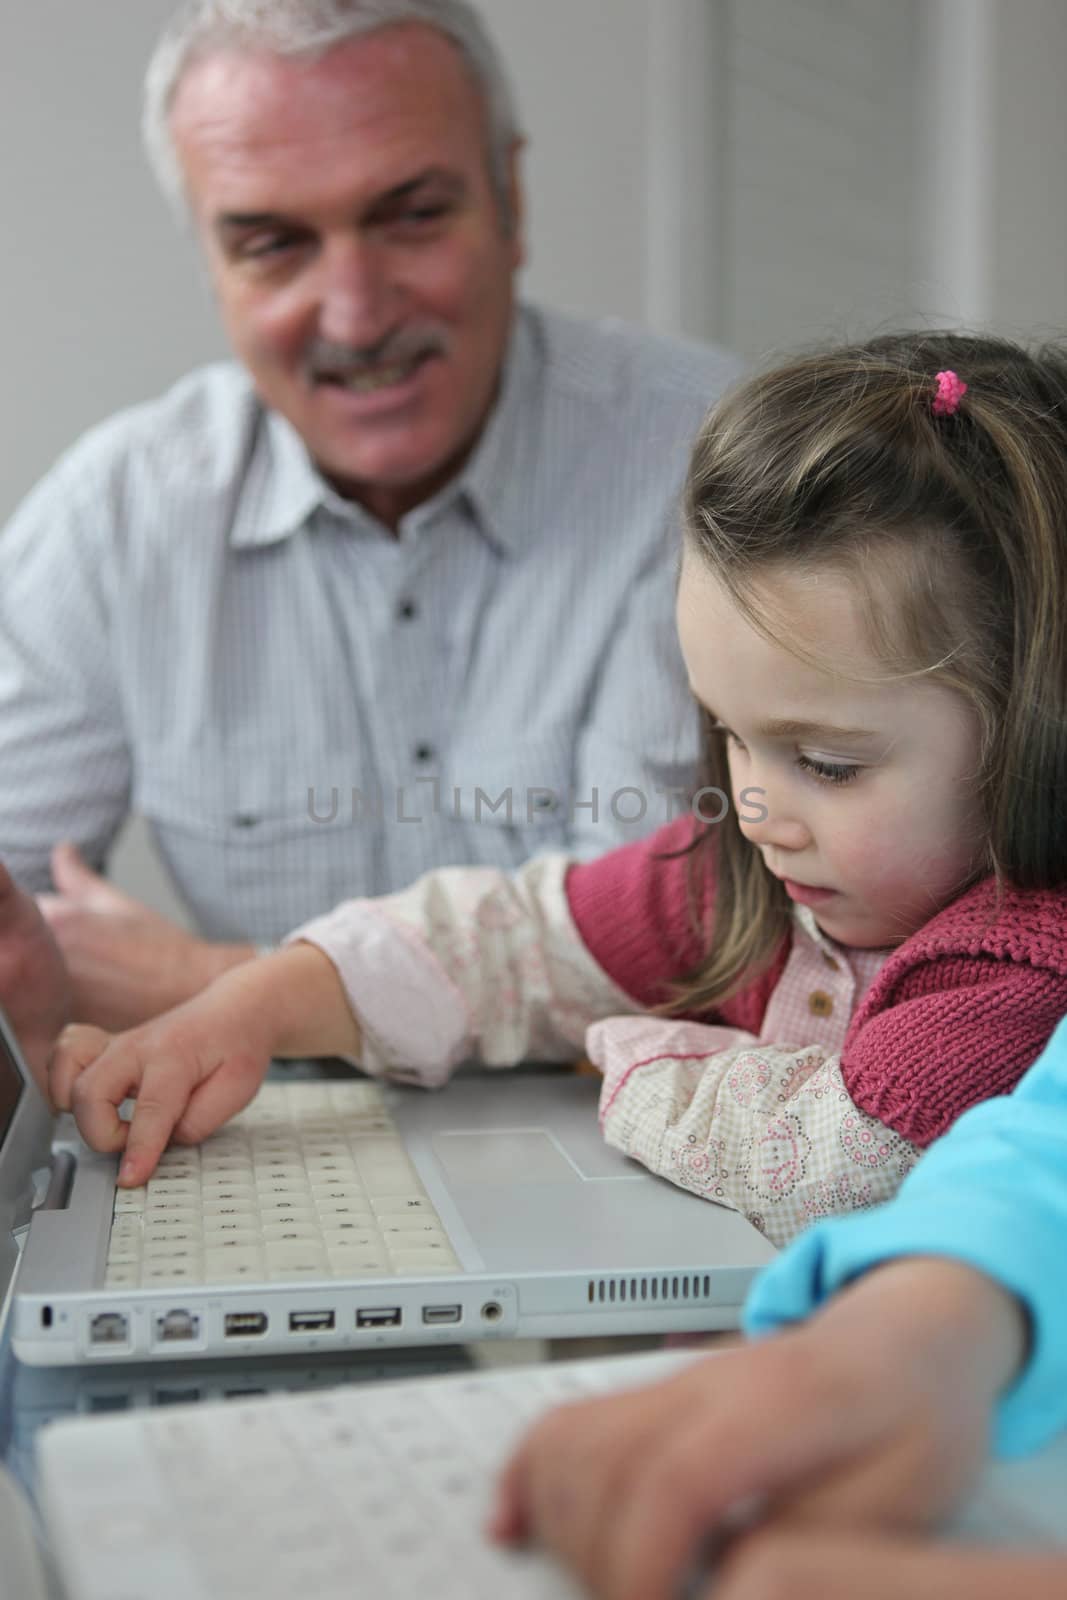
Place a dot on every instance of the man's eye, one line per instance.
(268, 244)
(828, 771)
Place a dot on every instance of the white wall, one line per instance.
(760, 171)
(104, 302)
(819, 197)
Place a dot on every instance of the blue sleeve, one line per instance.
(991, 1193)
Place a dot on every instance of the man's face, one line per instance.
(358, 251)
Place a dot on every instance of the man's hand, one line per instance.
(817, 1566)
(126, 963)
(35, 990)
(875, 1414)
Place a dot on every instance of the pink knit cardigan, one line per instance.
(957, 1013)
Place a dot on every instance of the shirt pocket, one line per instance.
(256, 848)
(510, 802)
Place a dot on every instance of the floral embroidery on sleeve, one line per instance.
(768, 1131)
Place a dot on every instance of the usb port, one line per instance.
(177, 1397)
(239, 1324)
(379, 1317)
(438, 1316)
(173, 1326)
(109, 1327)
(311, 1321)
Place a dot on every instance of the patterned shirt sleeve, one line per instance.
(768, 1131)
(468, 964)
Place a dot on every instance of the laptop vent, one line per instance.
(650, 1291)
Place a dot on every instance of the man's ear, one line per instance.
(516, 198)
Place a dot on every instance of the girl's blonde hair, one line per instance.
(954, 530)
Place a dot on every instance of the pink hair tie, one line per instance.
(950, 391)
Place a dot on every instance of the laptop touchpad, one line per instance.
(510, 1156)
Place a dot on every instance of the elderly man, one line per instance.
(393, 590)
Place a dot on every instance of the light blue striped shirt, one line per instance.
(194, 625)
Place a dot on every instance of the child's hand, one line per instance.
(190, 1070)
(875, 1413)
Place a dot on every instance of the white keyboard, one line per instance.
(310, 1181)
(382, 1491)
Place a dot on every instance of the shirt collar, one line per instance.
(805, 917)
(284, 488)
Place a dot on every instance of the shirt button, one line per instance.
(831, 961)
(407, 610)
(820, 1004)
(424, 753)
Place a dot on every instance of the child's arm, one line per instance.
(467, 963)
(771, 1132)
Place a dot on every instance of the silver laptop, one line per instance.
(340, 1215)
(387, 1487)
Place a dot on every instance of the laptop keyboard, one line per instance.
(310, 1181)
(383, 1492)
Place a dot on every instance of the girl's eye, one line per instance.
(828, 771)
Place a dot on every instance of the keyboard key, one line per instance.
(234, 1266)
(413, 1227)
(347, 1267)
(421, 1263)
(402, 1205)
(157, 1274)
(122, 1275)
(302, 1255)
(293, 1229)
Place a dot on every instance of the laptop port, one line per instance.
(109, 1327)
(379, 1317)
(439, 1316)
(174, 1326)
(492, 1311)
(177, 1397)
(108, 1402)
(242, 1324)
(311, 1321)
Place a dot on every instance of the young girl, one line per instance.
(789, 1003)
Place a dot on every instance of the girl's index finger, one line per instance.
(161, 1101)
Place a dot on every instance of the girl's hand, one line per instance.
(817, 1566)
(196, 1066)
(189, 1071)
(874, 1414)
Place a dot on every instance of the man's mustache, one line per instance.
(327, 361)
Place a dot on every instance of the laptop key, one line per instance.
(401, 1205)
(122, 1275)
(233, 1266)
(413, 1228)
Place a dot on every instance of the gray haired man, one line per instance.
(391, 591)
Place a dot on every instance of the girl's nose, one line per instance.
(768, 827)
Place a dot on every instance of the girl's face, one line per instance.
(869, 789)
